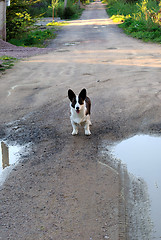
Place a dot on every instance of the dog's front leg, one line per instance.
(75, 128)
(87, 130)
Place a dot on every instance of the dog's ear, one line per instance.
(71, 95)
(83, 94)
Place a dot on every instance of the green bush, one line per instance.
(40, 8)
(68, 12)
(18, 23)
(60, 9)
(72, 11)
(20, 14)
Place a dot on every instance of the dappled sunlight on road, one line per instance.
(105, 21)
(124, 57)
(95, 40)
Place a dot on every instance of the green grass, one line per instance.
(6, 62)
(141, 30)
(137, 19)
(121, 8)
(35, 38)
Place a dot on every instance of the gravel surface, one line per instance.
(7, 49)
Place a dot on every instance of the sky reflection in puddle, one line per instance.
(9, 157)
(142, 155)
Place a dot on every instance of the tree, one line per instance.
(54, 4)
(17, 17)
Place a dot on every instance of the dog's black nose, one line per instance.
(77, 108)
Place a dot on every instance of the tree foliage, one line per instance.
(23, 3)
(18, 18)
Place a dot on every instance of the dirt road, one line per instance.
(64, 189)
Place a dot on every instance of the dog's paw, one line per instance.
(87, 133)
(75, 132)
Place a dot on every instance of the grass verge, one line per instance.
(141, 20)
(35, 38)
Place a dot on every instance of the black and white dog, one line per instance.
(80, 107)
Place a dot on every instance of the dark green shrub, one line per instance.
(60, 10)
(68, 12)
(39, 8)
(17, 23)
(72, 11)
(20, 15)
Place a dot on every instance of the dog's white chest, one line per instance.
(78, 118)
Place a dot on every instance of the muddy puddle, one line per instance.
(9, 158)
(142, 156)
(71, 43)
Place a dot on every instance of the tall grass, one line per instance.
(121, 7)
(140, 19)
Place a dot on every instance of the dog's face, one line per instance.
(77, 102)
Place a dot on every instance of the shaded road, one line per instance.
(64, 189)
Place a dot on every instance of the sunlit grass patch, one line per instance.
(57, 24)
(119, 18)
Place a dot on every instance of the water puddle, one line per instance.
(142, 155)
(9, 158)
(71, 43)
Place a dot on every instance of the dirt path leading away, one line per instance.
(64, 189)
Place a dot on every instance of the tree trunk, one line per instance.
(3, 20)
(53, 13)
(65, 3)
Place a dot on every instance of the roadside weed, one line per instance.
(6, 62)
